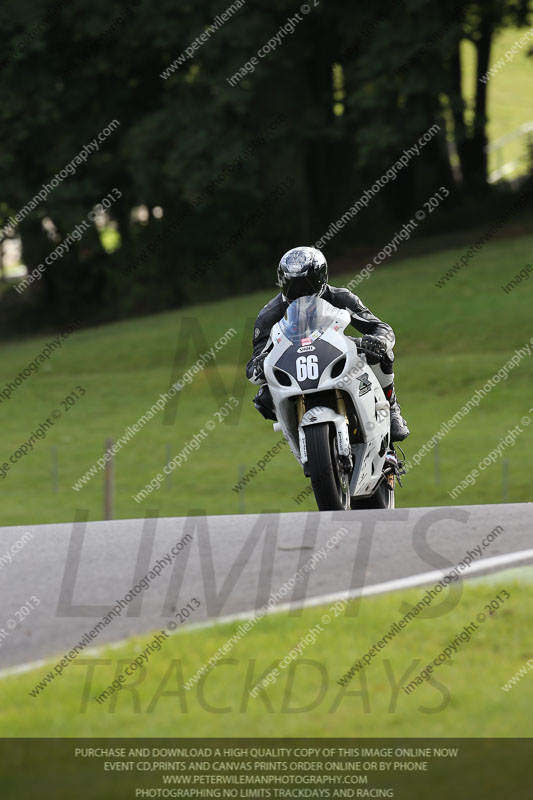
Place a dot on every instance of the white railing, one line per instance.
(507, 169)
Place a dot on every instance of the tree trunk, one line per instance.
(479, 126)
(457, 107)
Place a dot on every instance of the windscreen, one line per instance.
(308, 318)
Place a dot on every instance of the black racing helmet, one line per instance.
(302, 271)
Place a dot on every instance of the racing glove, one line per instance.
(375, 345)
(258, 373)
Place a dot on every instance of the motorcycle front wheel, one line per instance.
(330, 482)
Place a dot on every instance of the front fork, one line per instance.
(300, 407)
(346, 460)
(341, 405)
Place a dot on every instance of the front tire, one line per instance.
(330, 483)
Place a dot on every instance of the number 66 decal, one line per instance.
(307, 368)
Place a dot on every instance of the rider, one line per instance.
(304, 271)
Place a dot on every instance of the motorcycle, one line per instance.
(331, 408)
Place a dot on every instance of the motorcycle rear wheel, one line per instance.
(383, 497)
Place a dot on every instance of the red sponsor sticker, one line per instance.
(307, 341)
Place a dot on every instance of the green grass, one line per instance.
(464, 699)
(450, 341)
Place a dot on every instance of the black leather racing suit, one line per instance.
(362, 319)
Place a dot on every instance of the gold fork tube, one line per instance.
(300, 407)
(341, 405)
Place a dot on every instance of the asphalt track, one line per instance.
(232, 565)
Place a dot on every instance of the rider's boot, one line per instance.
(398, 426)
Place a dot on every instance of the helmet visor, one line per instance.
(301, 286)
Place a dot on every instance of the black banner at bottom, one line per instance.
(92, 769)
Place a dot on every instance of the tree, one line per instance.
(241, 169)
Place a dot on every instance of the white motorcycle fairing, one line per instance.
(316, 376)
